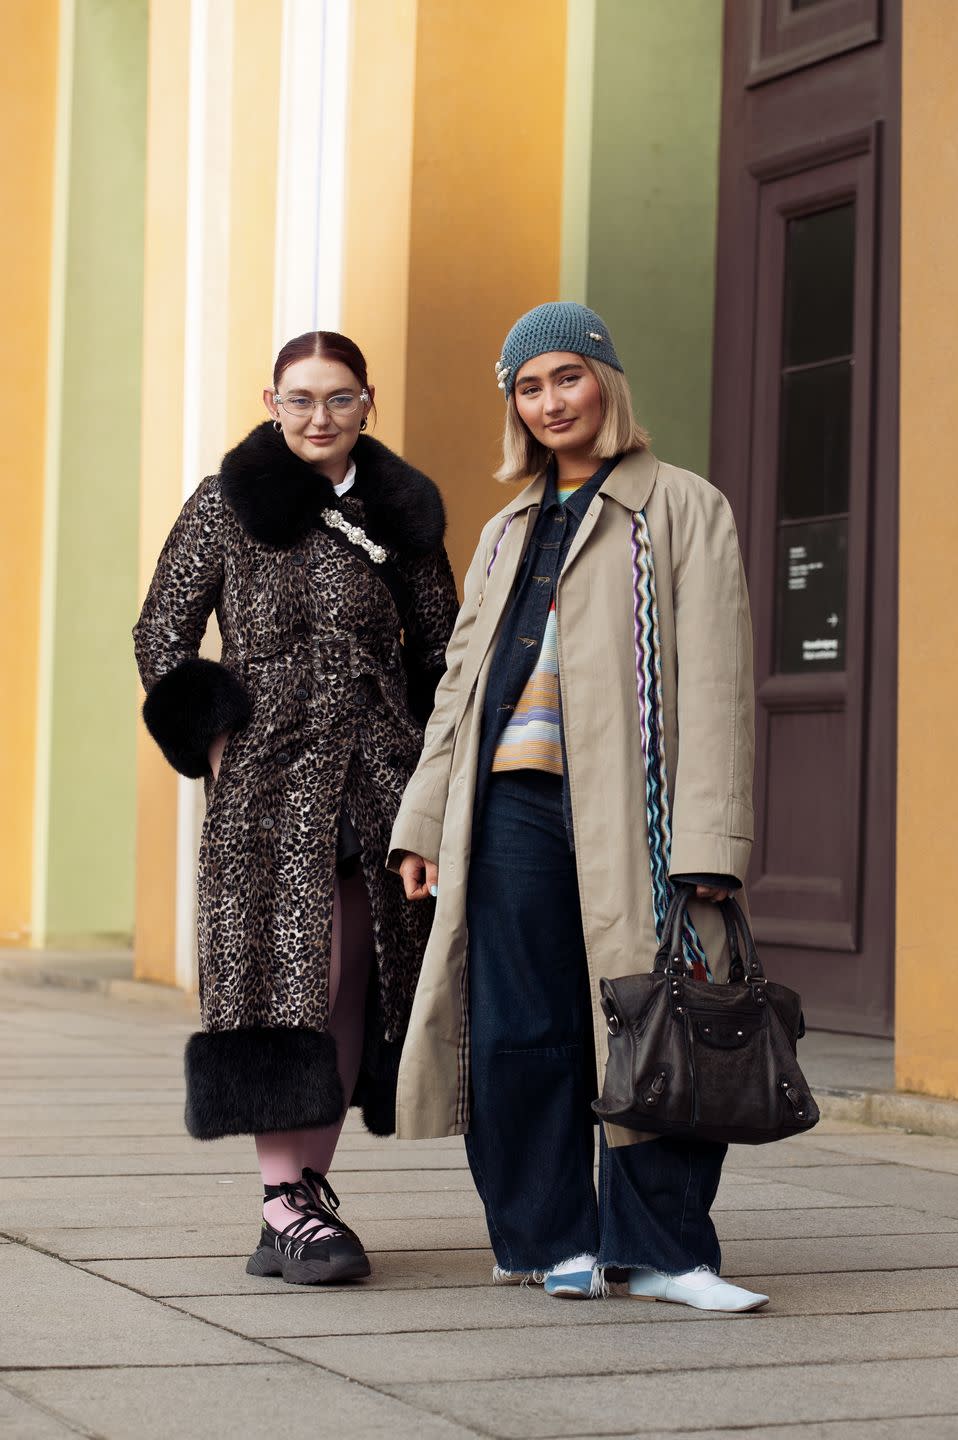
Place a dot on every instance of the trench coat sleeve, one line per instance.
(712, 824)
(418, 827)
(189, 701)
(429, 621)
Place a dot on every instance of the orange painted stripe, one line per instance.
(28, 112)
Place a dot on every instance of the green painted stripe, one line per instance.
(654, 192)
(91, 797)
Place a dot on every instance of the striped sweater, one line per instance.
(532, 739)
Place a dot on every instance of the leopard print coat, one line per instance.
(326, 656)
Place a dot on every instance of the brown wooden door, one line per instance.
(805, 446)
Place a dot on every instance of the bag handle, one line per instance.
(735, 925)
(670, 957)
(736, 965)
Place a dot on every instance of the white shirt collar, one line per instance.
(349, 481)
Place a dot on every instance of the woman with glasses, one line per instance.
(321, 554)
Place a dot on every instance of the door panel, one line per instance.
(805, 446)
(811, 467)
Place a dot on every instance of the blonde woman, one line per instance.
(592, 743)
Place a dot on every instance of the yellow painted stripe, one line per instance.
(926, 1005)
(160, 483)
(378, 201)
(486, 231)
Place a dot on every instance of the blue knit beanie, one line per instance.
(559, 325)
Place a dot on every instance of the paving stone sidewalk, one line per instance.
(126, 1313)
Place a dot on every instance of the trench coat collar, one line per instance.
(632, 480)
(630, 483)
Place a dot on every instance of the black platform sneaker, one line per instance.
(338, 1255)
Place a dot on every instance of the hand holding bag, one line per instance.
(713, 1062)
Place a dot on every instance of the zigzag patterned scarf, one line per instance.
(648, 676)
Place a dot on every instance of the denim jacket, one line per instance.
(524, 625)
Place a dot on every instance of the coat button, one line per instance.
(284, 757)
(267, 822)
(298, 558)
(301, 693)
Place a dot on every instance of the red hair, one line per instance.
(328, 344)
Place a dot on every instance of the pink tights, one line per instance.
(284, 1154)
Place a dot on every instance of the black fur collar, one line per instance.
(277, 497)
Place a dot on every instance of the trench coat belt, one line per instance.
(343, 654)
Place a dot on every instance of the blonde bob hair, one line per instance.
(523, 458)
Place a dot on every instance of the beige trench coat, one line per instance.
(706, 644)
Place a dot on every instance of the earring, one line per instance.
(277, 426)
(362, 424)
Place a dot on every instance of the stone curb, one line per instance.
(891, 1109)
(141, 992)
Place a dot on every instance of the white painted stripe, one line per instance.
(332, 165)
(311, 167)
(51, 476)
(205, 369)
(577, 156)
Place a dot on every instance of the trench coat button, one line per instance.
(301, 693)
(284, 757)
(267, 822)
(298, 558)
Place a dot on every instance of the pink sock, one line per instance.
(284, 1154)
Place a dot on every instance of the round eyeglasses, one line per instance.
(339, 406)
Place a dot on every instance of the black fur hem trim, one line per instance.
(189, 706)
(257, 1079)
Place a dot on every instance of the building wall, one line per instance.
(926, 1011)
(484, 158)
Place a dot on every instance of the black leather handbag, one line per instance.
(714, 1062)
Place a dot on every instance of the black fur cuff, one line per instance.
(421, 691)
(189, 706)
(375, 1092)
(257, 1079)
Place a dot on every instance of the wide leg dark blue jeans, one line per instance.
(531, 1141)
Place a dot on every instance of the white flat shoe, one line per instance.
(702, 1289)
(575, 1279)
